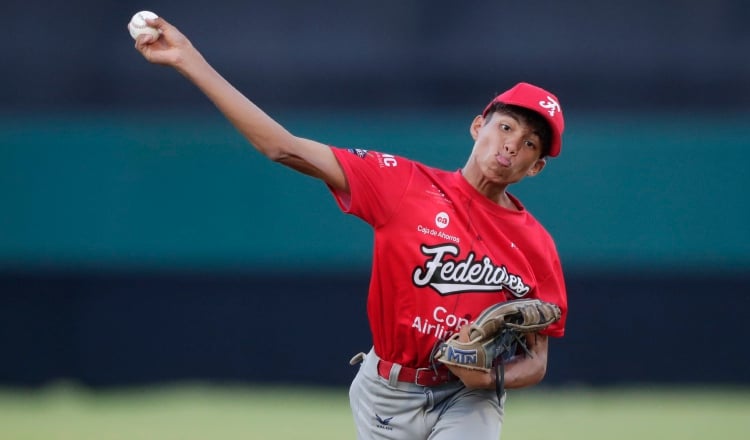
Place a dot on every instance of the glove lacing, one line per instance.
(507, 348)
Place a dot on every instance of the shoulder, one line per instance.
(539, 240)
(373, 157)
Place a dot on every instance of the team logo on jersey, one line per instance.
(448, 277)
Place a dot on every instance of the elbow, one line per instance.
(276, 152)
(276, 155)
(284, 151)
(277, 148)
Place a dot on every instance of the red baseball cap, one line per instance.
(539, 100)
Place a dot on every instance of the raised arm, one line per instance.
(313, 158)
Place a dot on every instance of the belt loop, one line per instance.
(357, 358)
(430, 398)
(393, 374)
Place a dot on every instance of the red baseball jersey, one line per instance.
(443, 252)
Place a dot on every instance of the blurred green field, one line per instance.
(200, 411)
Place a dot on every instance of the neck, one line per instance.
(492, 190)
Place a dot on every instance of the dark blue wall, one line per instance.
(125, 329)
(671, 53)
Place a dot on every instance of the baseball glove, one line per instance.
(495, 336)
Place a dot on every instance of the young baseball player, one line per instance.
(448, 244)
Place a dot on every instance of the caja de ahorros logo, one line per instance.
(448, 276)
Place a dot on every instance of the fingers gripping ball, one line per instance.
(138, 25)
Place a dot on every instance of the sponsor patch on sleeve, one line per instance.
(358, 151)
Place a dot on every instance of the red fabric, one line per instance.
(442, 253)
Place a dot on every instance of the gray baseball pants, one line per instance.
(393, 410)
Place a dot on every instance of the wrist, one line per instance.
(190, 62)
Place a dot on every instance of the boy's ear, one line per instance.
(476, 125)
(537, 167)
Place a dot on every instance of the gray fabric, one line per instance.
(393, 410)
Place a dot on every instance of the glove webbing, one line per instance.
(500, 369)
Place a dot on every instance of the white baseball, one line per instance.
(138, 25)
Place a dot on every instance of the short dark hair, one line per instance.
(538, 124)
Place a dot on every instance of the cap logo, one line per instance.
(551, 105)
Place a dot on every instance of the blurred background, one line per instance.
(143, 243)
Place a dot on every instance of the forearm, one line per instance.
(525, 371)
(264, 133)
(171, 48)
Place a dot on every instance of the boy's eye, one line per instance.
(530, 144)
(505, 127)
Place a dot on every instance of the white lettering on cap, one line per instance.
(551, 105)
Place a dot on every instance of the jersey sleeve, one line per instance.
(551, 288)
(377, 183)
